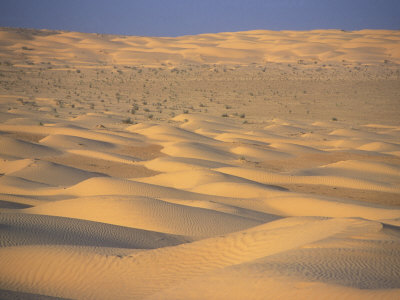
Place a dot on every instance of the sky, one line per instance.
(189, 17)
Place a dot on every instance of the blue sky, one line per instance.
(182, 17)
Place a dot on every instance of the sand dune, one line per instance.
(247, 165)
(49, 173)
(21, 149)
(35, 229)
(168, 133)
(330, 178)
(72, 142)
(147, 214)
(173, 164)
(197, 150)
(240, 47)
(142, 273)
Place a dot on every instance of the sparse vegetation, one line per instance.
(127, 121)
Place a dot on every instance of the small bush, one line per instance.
(127, 121)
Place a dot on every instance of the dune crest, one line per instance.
(245, 47)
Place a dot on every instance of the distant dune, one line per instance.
(258, 46)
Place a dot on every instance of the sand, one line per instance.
(246, 165)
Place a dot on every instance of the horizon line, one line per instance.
(204, 33)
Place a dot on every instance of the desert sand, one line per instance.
(245, 165)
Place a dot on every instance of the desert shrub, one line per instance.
(127, 121)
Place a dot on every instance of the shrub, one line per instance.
(127, 121)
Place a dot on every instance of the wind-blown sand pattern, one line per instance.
(249, 165)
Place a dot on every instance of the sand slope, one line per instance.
(210, 215)
(142, 273)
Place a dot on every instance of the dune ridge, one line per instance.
(239, 47)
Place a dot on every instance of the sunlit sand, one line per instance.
(247, 165)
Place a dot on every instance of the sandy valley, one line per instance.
(247, 165)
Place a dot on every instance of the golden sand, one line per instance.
(247, 165)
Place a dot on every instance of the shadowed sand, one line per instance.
(248, 165)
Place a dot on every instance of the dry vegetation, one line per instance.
(258, 92)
